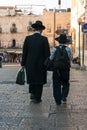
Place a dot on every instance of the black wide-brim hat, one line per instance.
(62, 39)
(38, 25)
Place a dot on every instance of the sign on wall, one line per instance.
(84, 28)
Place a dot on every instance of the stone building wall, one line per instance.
(21, 23)
(50, 19)
(14, 28)
(54, 19)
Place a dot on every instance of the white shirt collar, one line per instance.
(37, 32)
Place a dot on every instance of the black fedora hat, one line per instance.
(38, 25)
(62, 39)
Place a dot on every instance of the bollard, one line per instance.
(1, 64)
(78, 61)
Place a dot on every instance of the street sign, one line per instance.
(84, 28)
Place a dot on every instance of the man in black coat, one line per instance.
(35, 51)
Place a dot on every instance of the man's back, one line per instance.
(36, 46)
(36, 50)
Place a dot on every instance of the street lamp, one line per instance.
(54, 25)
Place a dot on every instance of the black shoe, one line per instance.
(32, 96)
(37, 101)
(58, 103)
(64, 100)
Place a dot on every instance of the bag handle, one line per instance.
(22, 69)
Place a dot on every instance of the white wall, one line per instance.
(76, 13)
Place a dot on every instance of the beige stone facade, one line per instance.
(21, 22)
(53, 21)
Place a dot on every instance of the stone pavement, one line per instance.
(17, 112)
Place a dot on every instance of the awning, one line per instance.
(10, 51)
(18, 52)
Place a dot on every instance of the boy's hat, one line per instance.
(62, 39)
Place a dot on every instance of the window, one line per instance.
(29, 27)
(58, 30)
(0, 43)
(49, 28)
(0, 29)
(68, 26)
(13, 29)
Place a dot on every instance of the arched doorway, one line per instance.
(13, 43)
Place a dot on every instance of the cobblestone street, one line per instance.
(17, 112)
